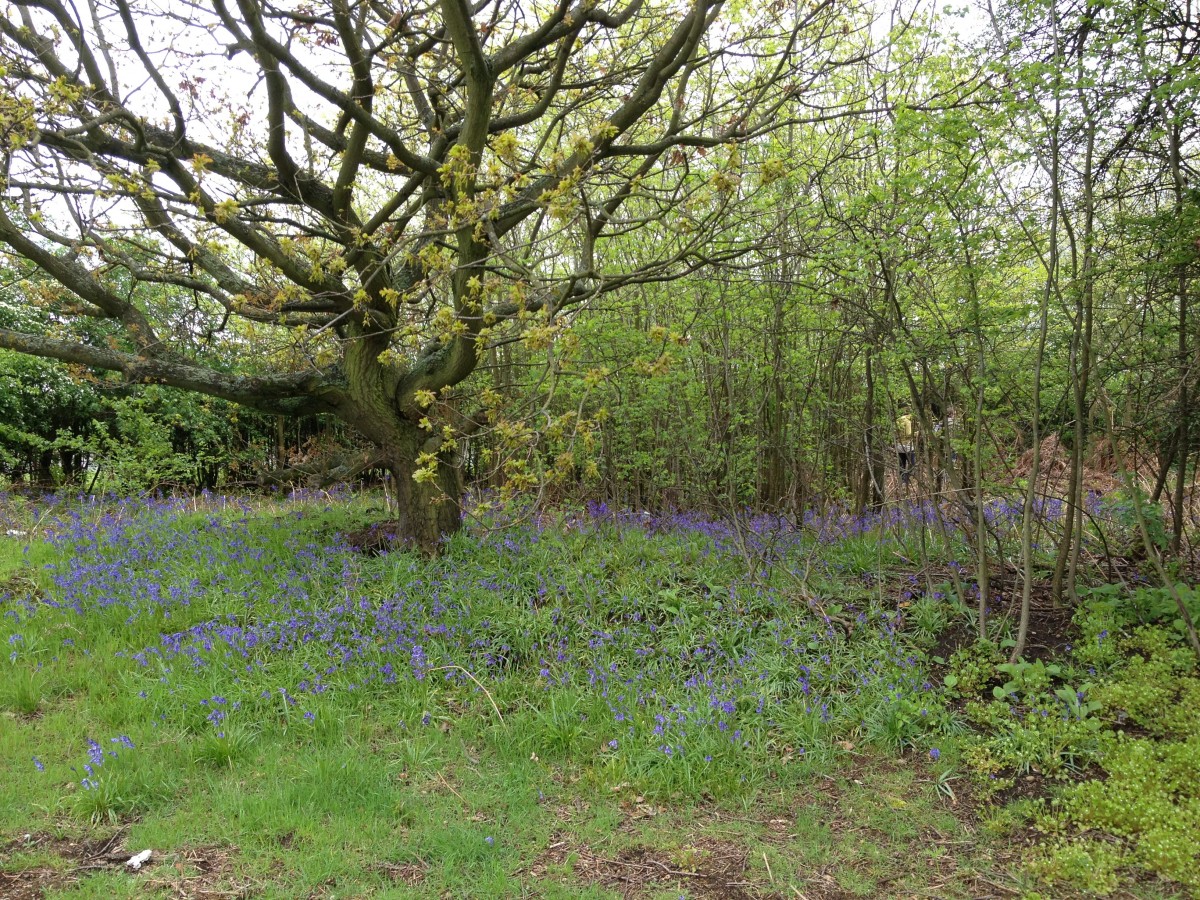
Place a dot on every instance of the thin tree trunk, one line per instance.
(1181, 443)
(873, 474)
(1082, 431)
(1036, 403)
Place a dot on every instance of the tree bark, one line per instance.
(427, 511)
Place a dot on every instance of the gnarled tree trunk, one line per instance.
(428, 509)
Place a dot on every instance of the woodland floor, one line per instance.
(516, 782)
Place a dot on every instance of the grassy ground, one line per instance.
(593, 706)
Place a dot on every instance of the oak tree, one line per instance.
(361, 196)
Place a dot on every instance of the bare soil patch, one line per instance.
(409, 873)
(375, 539)
(706, 868)
(191, 873)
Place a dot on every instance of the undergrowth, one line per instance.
(234, 674)
(238, 662)
(648, 654)
(1117, 723)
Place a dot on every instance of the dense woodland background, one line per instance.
(996, 234)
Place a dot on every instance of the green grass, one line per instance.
(346, 818)
(594, 712)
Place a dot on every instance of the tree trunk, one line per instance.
(428, 510)
(1035, 412)
(45, 469)
(70, 463)
(871, 495)
(426, 466)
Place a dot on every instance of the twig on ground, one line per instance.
(476, 680)
(110, 843)
(450, 787)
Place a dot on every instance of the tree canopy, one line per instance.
(360, 199)
(651, 252)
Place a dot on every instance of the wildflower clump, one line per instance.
(642, 646)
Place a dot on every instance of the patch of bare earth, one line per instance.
(192, 873)
(374, 539)
(31, 884)
(409, 873)
(707, 868)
